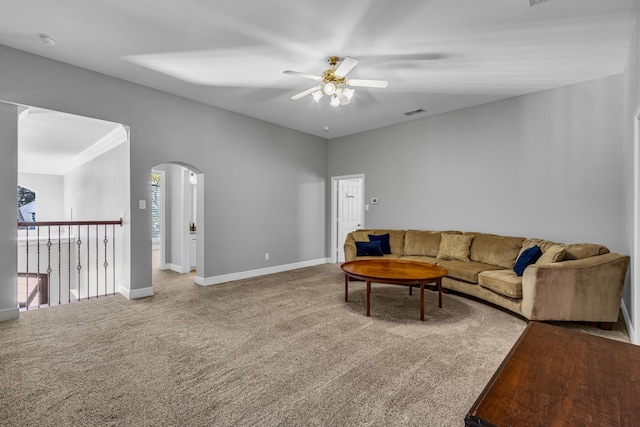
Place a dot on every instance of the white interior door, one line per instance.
(350, 212)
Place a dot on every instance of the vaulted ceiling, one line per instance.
(438, 55)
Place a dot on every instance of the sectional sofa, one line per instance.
(575, 282)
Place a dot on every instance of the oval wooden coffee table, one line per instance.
(394, 272)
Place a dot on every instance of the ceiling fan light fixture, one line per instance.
(348, 92)
(317, 95)
(334, 84)
(342, 98)
(329, 88)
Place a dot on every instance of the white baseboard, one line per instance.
(135, 293)
(216, 280)
(9, 314)
(632, 333)
(176, 268)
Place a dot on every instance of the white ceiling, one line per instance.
(439, 55)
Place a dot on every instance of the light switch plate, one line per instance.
(142, 204)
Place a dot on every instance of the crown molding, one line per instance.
(108, 142)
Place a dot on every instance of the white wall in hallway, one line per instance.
(49, 195)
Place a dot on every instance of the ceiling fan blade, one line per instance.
(305, 75)
(306, 92)
(368, 83)
(345, 66)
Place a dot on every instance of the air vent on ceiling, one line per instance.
(414, 112)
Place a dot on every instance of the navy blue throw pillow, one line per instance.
(528, 257)
(384, 242)
(368, 248)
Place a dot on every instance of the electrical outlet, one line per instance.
(266, 256)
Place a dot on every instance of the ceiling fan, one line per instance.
(334, 83)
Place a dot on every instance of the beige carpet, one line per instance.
(283, 349)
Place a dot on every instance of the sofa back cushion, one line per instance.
(495, 250)
(423, 243)
(396, 238)
(553, 253)
(455, 246)
(541, 243)
(584, 250)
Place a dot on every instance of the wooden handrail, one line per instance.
(67, 223)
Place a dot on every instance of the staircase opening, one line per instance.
(72, 207)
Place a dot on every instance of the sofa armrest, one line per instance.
(588, 289)
(350, 250)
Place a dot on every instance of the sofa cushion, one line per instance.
(584, 250)
(526, 258)
(503, 282)
(420, 258)
(369, 248)
(466, 270)
(529, 243)
(554, 253)
(495, 250)
(396, 238)
(455, 246)
(384, 242)
(424, 243)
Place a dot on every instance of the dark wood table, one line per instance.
(558, 377)
(395, 272)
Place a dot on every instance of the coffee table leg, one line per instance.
(346, 288)
(422, 301)
(440, 293)
(368, 292)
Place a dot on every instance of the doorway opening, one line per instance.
(70, 245)
(177, 210)
(347, 211)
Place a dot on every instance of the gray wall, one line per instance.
(631, 103)
(8, 186)
(543, 165)
(265, 184)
